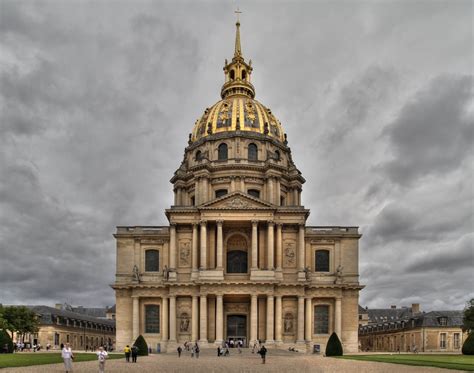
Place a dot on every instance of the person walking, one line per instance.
(196, 350)
(68, 356)
(263, 353)
(127, 351)
(179, 349)
(135, 350)
(101, 356)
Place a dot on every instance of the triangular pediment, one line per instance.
(237, 201)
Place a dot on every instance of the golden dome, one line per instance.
(234, 113)
(238, 110)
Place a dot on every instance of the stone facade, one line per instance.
(237, 260)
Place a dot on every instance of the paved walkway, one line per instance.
(277, 361)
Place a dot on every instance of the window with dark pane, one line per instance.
(254, 193)
(253, 152)
(221, 192)
(152, 260)
(322, 261)
(222, 152)
(198, 155)
(321, 320)
(152, 319)
(237, 261)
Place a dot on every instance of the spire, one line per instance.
(238, 49)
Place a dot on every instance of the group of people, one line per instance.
(68, 357)
(131, 351)
(188, 346)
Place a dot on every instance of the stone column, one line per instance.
(300, 333)
(220, 244)
(197, 192)
(194, 319)
(270, 319)
(299, 197)
(271, 197)
(278, 192)
(232, 184)
(204, 190)
(164, 328)
(172, 248)
(219, 319)
(307, 329)
(194, 258)
(295, 196)
(203, 319)
(242, 184)
(278, 319)
(253, 318)
(270, 245)
(279, 248)
(172, 318)
(203, 265)
(175, 197)
(254, 244)
(338, 317)
(179, 197)
(301, 250)
(135, 317)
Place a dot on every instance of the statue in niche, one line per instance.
(166, 273)
(338, 279)
(290, 256)
(136, 274)
(184, 324)
(307, 273)
(288, 323)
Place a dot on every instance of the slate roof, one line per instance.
(111, 309)
(379, 315)
(46, 315)
(94, 312)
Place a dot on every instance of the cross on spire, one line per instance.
(238, 49)
(238, 12)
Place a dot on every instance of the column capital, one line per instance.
(301, 225)
(195, 224)
(173, 225)
(279, 225)
(254, 223)
(219, 222)
(203, 222)
(270, 222)
(254, 296)
(172, 296)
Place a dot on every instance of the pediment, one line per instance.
(237, 201)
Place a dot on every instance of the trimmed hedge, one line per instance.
(5, 340)
(468, 346)
(334, 346)
(142, 346)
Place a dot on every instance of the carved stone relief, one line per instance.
(236, 203)
(236, 307)
(289, 254)
(289, 323)
(184, 253)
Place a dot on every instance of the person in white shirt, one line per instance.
(101, 355)
(67, 356)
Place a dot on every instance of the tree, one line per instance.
(334, 346)
(5, 340)
(142, 346)
(468, 319)
(20, 320)
(468, 346)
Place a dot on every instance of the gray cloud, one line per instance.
(96, 102)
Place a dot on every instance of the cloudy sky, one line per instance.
(97, 99)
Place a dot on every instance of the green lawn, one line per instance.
(460, 362)
(39, 358)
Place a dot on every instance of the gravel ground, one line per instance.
(277, 361)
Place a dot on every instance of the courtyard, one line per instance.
(277, 361)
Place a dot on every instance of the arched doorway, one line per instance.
(236, 254)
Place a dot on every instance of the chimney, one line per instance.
(415, 308)
(58, 306)
(393, 306)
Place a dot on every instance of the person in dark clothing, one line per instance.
(134, 353)
(263, 353)
(218, 351)
(179, 349)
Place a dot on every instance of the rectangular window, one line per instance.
(152, 319)
(456, 340)
(321, 320)
(56, 339)
(442, 340)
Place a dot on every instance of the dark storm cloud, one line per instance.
(433, 132)
(97, 99)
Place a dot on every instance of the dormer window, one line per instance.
(221, 192)
(443, 321)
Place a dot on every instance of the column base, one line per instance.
(270, 342)
(203, 343)
(218, 342)
(301, 276)
(172, 276)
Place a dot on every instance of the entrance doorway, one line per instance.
(237, 330)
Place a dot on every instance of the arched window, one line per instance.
(253, 152)
(221, 192)
(232, 74)
(237, 261)
(244, 74)
(254, 193)
(152, 260)
(222, 152)
(198, 155)
(277, 155)
(322, 261)
(321, 320)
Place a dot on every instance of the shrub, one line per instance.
(142, 346)
(5, 340)
(334, 346)
(468, 346)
